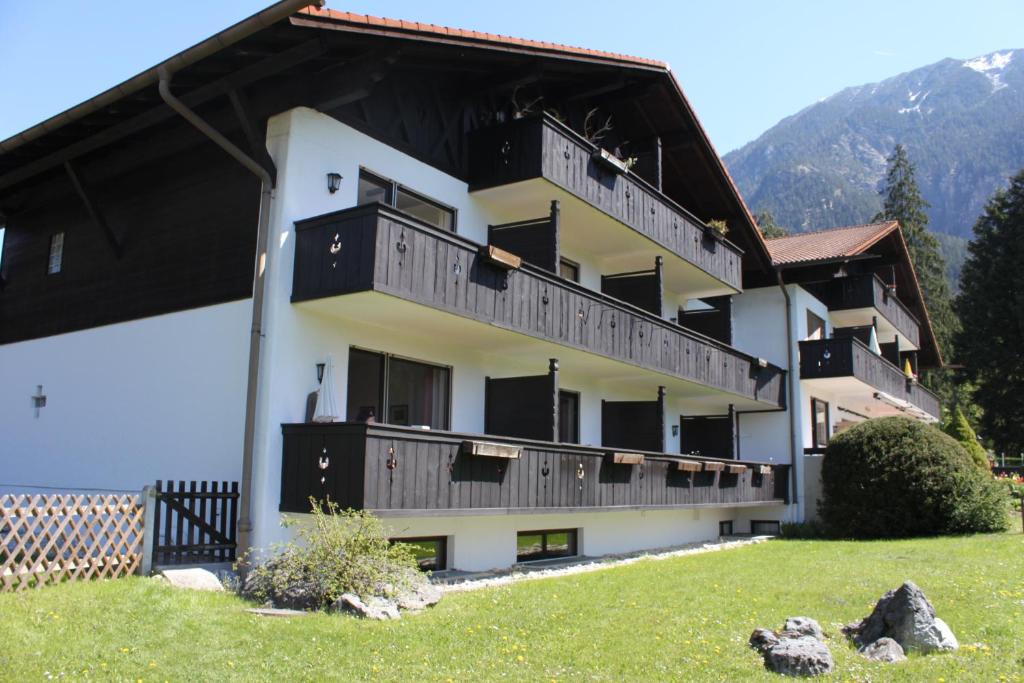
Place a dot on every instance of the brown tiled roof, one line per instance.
(367, 21)
(824, 245)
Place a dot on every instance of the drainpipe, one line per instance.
(794, 376)
(258, 286)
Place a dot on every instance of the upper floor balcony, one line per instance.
(398, 272)
(846, 367)
(610, 213)
(866, 299)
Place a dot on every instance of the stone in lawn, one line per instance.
(884, 650)
(906, 616)
(196, 578)
(378, 608)
(762, 639)
(419, 596)
(801, 656)
(804, 626)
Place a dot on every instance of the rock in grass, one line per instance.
(906, 616)
(763, 639)
(801, 656)
(884, 650)
(804, 626)
(196, 578)
(378, 608)
(419, 597)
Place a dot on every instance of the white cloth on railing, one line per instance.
(327, 396)
(873, 343)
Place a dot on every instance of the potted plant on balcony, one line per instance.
(714, 232)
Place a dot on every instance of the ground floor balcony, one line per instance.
(380, 267)
(865, 383)
(404, 471)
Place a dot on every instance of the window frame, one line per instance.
(386, 377)
(575, 416)
(824, 326)
(394, 187)
(574, 544)
(440, 559)
(562, 261)
(815, 402)
(774, 523)
(50, 253)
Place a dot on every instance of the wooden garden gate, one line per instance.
(194, 524)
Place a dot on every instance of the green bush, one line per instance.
(895, 477)
(960, 429)
(341, 551)
(804, 530)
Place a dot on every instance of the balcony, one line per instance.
(861, 299)
(394, 270)
(865, 382)
(522, 164)
(402, 471)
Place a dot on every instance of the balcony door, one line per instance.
(385, 388)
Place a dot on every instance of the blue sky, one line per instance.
(744, 65)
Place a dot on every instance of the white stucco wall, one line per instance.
(127, 404)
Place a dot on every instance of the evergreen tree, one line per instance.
(769, 228)
(991, 307)
(903, 202)
(960, 429)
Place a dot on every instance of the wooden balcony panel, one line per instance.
(383, 250)
(542, 147)
(849, 357)
(398, 470)
(869, 291)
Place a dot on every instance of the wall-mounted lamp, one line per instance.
(333, 182)
(320, 372)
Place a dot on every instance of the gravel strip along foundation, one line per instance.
(455, 582)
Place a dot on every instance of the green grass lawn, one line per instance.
(686, 618)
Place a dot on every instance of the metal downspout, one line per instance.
(794, 376)
(258, 287)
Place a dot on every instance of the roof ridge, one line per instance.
(448, 31)
(832, 229)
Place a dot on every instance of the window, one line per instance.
(819, 423)
(568, 416)
(765, 528)
(725, 528)
(383, 388)
(374, 188)
(570, 270)
(431, 553)
(544, 545)
(56, 254)
(815, 326)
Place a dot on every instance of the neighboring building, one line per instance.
(862, 330)
(539, 348)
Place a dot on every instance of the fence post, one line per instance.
(149, 531)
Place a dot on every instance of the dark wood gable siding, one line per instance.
(188, 229)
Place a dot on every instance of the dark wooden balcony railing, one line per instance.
(400, 470)
(850, 357)
(542, 147)
(869, 291)
(377, 248)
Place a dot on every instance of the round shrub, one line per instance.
(895, 477)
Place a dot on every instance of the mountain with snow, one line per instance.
(962, 122)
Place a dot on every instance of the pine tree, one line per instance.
(960, 429)
(991, 307)
(903, 202)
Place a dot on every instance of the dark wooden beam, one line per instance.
(84, 193)
(505, 81)
(354, 80)
(255, 136)
(590, 90)
(262, 69)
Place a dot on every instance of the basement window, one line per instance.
(431, 553)
(375, 188)
(765, 528)
(56, 260)
(545, 545)
(570, 270)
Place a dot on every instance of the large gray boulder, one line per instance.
(419, 596)
(800, 656)
(195, 578)
(884, 650)
(805, 626)
(906, 616)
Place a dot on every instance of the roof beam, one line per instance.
(262, 69)
(354, 80)
(84, 193)
(252, 130)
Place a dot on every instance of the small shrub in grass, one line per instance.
(895, 477)
(804, 530)
(340, 551)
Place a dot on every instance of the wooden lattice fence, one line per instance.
(51, 538)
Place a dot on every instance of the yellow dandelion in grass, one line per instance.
(520, 658)
(231, 665)
(152, 665)
(125, 650)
